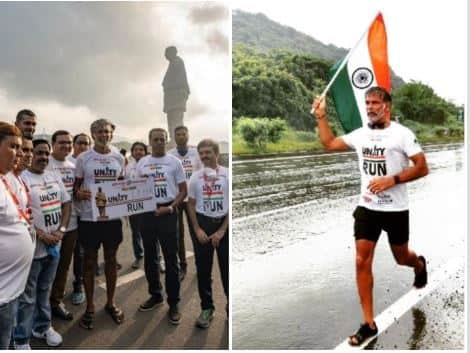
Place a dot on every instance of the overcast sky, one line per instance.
(427, 39)
(72, 63)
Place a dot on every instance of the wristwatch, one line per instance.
(62, 229)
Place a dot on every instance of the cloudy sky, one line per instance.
(74, 62)
(427, 39)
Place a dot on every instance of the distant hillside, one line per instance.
(263, 34)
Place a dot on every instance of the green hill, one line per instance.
(263, 34)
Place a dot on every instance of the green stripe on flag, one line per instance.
(345, 102)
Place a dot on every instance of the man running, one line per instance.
(98, 165)
(160, 225)
(384, 149)
(189, 157)
(208, 210)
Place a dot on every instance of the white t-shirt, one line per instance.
(48, 193)
(190, 161)
(94, 167)
(66, 170)
(16, 249)
(167, 172)
(210, 189)
(18, 186)
(383, 153)
(131, 171)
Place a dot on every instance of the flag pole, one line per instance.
(343, 63)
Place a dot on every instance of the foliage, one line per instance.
(257, 132)
(418, 102)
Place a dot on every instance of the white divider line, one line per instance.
(245, 161)
(290, 157)
(402, 305)
(134, 275)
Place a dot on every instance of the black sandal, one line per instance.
(421, 278)
(364, 332)
(115, 313)
(87, 320)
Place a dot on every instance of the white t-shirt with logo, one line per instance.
(48, 193)
(16, 249)
(211, 191)
(383, 152)
(191, 162)
(66, 170)
(167, 172)
(131, 171)
(94, 167)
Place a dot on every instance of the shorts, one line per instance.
(368, 224)
(92, 234)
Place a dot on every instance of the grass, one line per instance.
(291, 142)
(304, 142)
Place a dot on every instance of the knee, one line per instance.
(401, 259)
(363, 263)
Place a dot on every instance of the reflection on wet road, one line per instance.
(293, 258)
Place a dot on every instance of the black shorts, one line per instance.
(368, 224)
(92, 234)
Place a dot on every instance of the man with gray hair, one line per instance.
(175, 91)
(98, 165)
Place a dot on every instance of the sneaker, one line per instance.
(78, 298)
(421, 278)
(22, 347)
(151, 303)
(52, 337)
(136, 264)
(205, 318)
(174, 315)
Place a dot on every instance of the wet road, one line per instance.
(293, 255)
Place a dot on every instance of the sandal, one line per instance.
(364, 332)
(116, 313)
(87, 320)
(421, 278)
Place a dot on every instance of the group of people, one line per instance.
(46, 220)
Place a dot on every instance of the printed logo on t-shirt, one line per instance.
(160, 183)
(104, 174)
(213, 198)
(188, 168)
(49, 201)
(374, 162)
(68, 178)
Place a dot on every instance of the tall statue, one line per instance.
(175, 91)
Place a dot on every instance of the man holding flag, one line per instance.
(384, 150)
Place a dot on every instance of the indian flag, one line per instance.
(366, 65)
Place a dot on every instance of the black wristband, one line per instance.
(396, 179)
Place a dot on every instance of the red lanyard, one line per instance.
(21, 212)
(209, 188)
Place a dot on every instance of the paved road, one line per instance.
(294, 265)
(144, 329)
